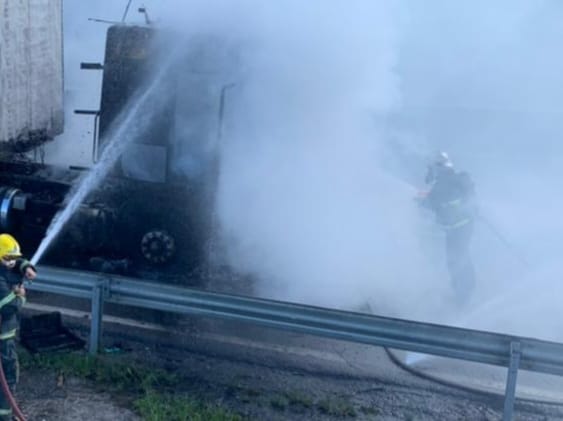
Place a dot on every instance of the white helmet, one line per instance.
(439, 165)
(442, 159)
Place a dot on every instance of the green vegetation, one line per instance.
(156, 407)
(119, 376)
(336, 407)
(152, 390)
(299, 402)
(293, 400)
(369, 410)
(299, 399)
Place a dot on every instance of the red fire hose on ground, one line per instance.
(8, 393)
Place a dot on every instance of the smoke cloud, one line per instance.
(304, 202)
(311, 201)
(330, 112)
(484, 82)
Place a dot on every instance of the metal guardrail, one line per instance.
(509, 351)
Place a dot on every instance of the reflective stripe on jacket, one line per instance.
(454, 214)
(10, 304)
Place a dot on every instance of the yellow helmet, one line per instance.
(9, 247)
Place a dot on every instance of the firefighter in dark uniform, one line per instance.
(451, 198)
(12, 297)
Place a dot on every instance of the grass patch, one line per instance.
(293, 401)
(141, 382)
(369, 410)
(156, 407)
(122, 377)
(336, 407)
(299, 399)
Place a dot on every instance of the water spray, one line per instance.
(129, 128)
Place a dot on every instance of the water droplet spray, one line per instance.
(131, 124)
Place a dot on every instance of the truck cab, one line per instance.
(153, 213)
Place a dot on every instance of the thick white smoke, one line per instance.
(334, 104)
(307, 203)
(483, 81)
(304, 202)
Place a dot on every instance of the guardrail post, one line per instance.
(97, 312)
(510, 392)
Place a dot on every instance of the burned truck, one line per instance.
(152, 215)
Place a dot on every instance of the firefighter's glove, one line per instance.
(19, 290)
(29, 271)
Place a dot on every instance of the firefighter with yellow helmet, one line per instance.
(13, 268)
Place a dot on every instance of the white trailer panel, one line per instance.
(31, 72)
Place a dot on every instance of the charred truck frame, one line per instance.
(151, 215)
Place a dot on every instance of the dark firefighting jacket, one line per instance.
(10, 304)
(452, 199)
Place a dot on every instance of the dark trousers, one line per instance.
(10, 365)
(460, 265)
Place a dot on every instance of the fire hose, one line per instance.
(509, 246)
(8, 393)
